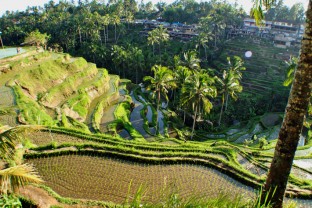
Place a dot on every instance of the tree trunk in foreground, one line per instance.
(293, 121)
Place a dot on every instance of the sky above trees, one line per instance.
(22, 4)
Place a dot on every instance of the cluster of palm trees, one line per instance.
(157, 36)
(193, 88)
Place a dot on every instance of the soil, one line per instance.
(38, 196)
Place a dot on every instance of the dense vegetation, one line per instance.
(200, 89)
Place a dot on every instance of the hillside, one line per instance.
(56, 89)
(95, 141)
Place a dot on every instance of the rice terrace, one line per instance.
(140, 113)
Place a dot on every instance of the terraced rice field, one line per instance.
(41, 138)
(108, 179)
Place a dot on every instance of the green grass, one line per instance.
(30, 110)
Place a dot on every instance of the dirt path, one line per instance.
(38, 196)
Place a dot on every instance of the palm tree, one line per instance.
(203, 39)
(229, 86)
(181, 73)
(152, 39)
(160, 83)
(138, 60)
(129, 18)
(296, 108)
(13, 177)
(213, 25)
(116, 21)
(119, 58)
(196, 92)
(162, 36)
(106, 20)
(236, 67)
(191, 61)
(158, 35)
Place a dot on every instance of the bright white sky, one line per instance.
(21, 5)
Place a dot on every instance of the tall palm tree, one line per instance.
(116, 21)
(203, 39)
(129, 18)
(163, 36)
(106, 20)
(137, 58)
(160, 84)
(296, 108)
(196, 91)
(15, 176)
(159, 35)
(181, 73)
(191, 61)
(152, 40)
(235, 67)
(229, 86)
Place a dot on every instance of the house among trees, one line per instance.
(284, 34)
(176, 30)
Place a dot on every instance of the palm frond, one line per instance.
(18, 176)
(9, 138)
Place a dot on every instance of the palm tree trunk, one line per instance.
(104, 31)
(153, 50)
(226, 101)
(107, 32)
(219, 122)
(115, 32)
(136, 75)
(80, 38)
(194, 121)
(159, 54)
(215, 43)
(293, 121)
(206, 53)
(99, 33)
(158, 100)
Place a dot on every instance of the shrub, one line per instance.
(262, 142)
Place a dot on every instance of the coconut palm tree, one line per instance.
(235, 67)
(116, 21)
(160, 84)
(181, 73)
(137, 58)
(298, 101)
(196, 92)
(191, 61)
(162, 36)
(203, 39)
(106, 20)
(229, 86)
(152, 40)
(159, 35)
(14, 176)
